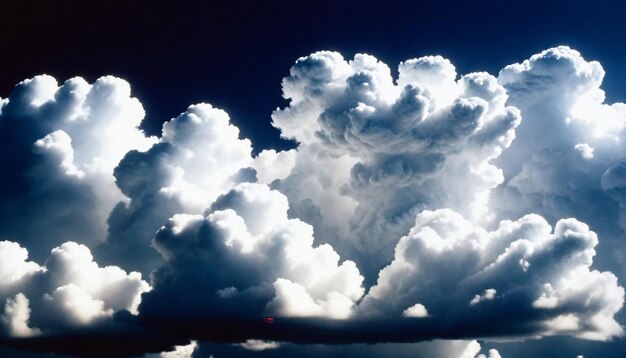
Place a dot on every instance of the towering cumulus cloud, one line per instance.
(431, 206)
(373, 154)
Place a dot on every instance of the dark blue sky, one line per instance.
(233, 54)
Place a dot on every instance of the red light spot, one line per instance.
(269, 320)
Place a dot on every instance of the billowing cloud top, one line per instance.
(373, 154)
(429, 206)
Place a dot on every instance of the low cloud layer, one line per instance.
(427, 206)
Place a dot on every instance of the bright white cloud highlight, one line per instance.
(16, 316)
(257, 244)
(445, 259)
(473, 351)
(417, 310)
(566, 158)
(181, 351)
(259, 345)
(61, 144)
(70, 290)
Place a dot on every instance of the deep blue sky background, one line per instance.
(233, 54)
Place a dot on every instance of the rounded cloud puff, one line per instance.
(536, 276)
(198, 157)
(69, 291)
(244, 249)
(566, 158)
(59, 145)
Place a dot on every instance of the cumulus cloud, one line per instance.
(473, 351)
(427, 206)
(445, 270)
(185, 351)
(537, 276)
(59, 145)
(373, 154)
(271, 165)
(71, 305)
(437, 348)
(70, 290)
(198, 157)
(259, 345)
(16, 316)
(488, 294)
(417, 310)
(566, 157)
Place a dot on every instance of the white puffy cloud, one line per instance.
(539, 277)
(13, 266)
(185, 351)
(59, 147)
(381, 226)
(207, 154)
(435, 348)
(70, 290)
(198, 157)
(417, 310)
(70, 303)
(563, 107)
(62, 147)
(372, 154)
(473, 351)
(488, 294)
(492, 354)
(244, 247)
(313, 80)
(585, 150)
(259, 345)
(436, 74)
(271, 165)
(566, 157)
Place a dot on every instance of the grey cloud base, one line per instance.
(418, 208)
